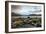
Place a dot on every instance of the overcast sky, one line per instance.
(25, 10)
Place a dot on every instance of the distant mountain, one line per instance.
(13, 14)
(35, 15)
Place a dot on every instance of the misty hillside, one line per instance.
(13, 14)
